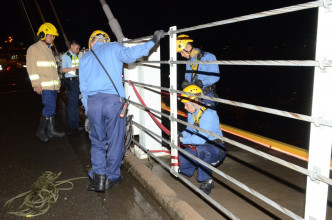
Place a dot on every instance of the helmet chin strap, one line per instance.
(195, 106)
(189, 52)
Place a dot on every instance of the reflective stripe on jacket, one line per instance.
(41, 67)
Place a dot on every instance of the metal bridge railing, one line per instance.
(277, 160)
(314, 174)
(317, 121)
(299, 7)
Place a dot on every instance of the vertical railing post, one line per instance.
(320, 136)
(173, 99)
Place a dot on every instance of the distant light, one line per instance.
(0, 67)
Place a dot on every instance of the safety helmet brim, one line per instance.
(99, 34)
(47, 29)
(182, 41)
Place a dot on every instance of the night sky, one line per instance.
(280, 37)
(141, 18)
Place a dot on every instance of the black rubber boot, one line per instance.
(51, 132)
(207, 185)
(98, 183)
(41, 132)
(109, 183)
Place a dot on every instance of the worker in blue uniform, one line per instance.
(203, 75)
(102, 101)
(70, 63)
(204, 146)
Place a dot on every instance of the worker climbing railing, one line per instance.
(316, 172)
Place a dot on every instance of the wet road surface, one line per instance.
(23, 158)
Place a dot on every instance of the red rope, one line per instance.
(151, 115)
(154, 118)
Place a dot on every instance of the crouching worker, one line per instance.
(204, 146)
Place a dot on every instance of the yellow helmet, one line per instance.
(181, 42)
(45, 29)
(100, 34)
(191, 89)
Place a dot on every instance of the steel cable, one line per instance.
(224, 175)
(299, 7)
(211, 200)
(316, 120)
(247, 148)
(307, 63)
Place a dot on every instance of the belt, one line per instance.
(72, 78)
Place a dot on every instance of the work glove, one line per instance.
(157, 35)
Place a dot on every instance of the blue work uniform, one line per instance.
(102, 103)
(205, 150)
(208, 73)
(72, 90)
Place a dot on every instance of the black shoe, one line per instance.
(51, 132)
(110, 183)
(207, 185)
(98, 183)
(77, 129)
(41, 132)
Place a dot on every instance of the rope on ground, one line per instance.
(245, 147)
(316, 120)
(38, 200)
(229, 178)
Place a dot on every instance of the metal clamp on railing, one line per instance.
(327, 4)
(314, 174)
